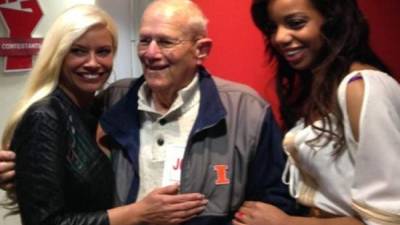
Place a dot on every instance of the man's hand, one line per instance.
(165, 206)
(7, 172)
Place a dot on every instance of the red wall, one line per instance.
(238, 52)
(384, 19)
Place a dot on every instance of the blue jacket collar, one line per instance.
(211, 109)
(122, 121)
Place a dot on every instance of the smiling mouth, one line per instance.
(90, 76)
(293, 52)
(294, 56)
(156, 68)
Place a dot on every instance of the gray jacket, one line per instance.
(234, 132)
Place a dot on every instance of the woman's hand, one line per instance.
(258, 213)
(7, 169)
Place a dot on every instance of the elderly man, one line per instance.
(177, 124)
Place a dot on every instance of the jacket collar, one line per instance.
(122, 122)
(211, 109)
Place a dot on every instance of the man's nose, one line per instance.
(153, 50)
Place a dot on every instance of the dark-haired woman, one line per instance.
(341, 110)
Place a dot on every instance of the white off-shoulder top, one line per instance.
(364, 180)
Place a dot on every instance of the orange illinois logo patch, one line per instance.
(222, 174)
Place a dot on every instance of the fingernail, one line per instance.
(239, 215)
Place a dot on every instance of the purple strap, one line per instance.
(355, 78)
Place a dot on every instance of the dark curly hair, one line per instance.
(345, 32)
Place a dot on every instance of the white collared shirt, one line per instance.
(163, 137)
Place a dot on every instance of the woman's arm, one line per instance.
(258, 213)
(373, 109)
(354, 99)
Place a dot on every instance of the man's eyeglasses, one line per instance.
(162, 43)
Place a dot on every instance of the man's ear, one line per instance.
(203, 48)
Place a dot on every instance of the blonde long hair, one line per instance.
(44, 77)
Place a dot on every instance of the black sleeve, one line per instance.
(266, 170)
(40, 145)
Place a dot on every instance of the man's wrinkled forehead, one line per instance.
(163, 22)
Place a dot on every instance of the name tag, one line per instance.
(173, 165)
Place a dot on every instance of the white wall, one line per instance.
(120, 11)
(127, 14)
(137, 8)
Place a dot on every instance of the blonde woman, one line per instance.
(62, 176)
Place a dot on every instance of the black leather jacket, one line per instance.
(61, 175)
